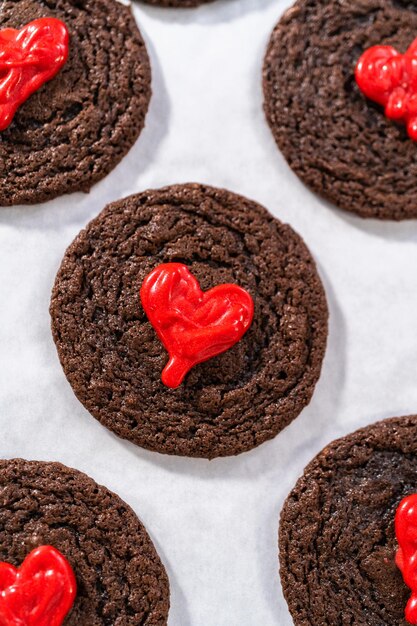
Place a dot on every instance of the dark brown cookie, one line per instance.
(120, 578)
(113, 358)
(337, 539)
(77, 127)
(180, 4)
(338, 142)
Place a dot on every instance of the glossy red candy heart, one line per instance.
(29, 58)
(390, 79)
(193, 325)
(406, 557)
(40, 592)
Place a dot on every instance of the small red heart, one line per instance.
(406, 556)
(390, 79)
(39, 593)
(29, 58)
(193, 325)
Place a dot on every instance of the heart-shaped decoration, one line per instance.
(193, 325)
(29, 58)
(406, 557)
(390, 79)
(40, 592)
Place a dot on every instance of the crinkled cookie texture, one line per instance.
(180, 4)
(337, 538)
(113, 358)
(77, 127)
(338, 142)
(120, 578)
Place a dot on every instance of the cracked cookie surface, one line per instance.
(338, 142)
(111, 354)
(75, 129)
(337, 539)
(120, 578)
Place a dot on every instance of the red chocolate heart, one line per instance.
(39, 593)
(390, 79)
(193, 325)
(406, 557)
(29, 58)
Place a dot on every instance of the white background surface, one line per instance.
(214, 523)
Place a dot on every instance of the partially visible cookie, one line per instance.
(337, 537)
(180, 4)
(338, 142)
(72, 131)
(120, 578)
(113, 357)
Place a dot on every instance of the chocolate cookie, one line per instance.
(338, 142)
(113, 358)
(337, 537)
(77, 127)
(180, 4)
(120, 578)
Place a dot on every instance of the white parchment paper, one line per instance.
(214, 523)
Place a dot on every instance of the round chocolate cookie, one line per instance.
(112, 355)
(337, 538)
(180, 4)
(77, 127)
(120, 578)
(338, 142)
